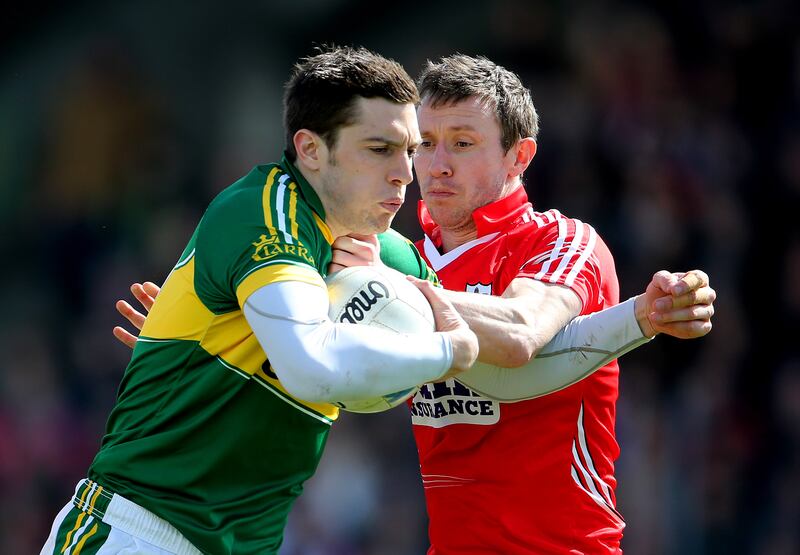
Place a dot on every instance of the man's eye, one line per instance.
(463, 144)
(426, 144)
(379, 149)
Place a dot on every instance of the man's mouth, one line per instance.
(438, 193)
(392, 205)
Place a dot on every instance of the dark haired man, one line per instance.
(211, 439)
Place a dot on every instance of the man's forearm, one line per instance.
(512, 330)
(584, 345)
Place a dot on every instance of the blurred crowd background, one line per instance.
(670, 126)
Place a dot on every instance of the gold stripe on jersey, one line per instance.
(266, 202)
(273, 272)
(266, 199)
(285, 220)
(293, 210)
(323, 227)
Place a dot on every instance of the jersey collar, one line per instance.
(308, 192)
(491, 218)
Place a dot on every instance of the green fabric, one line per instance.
(88, 535)
(218, 450)
(399, 253)
(233, 226)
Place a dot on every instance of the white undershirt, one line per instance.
(585, 344)
(321, 361)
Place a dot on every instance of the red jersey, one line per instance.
(535, 476)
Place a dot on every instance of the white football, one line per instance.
(381, 297)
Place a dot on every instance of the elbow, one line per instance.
(303, 384)
(523, 341)
(520, 350)
(518, 356)
(308, 393)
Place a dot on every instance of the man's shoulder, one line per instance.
(266, 194)
(247, 188)
(553, 227)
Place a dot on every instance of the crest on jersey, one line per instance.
(482, 288)
(270, 245)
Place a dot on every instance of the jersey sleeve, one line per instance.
(399, 253)
(254, 236)
(567, 253)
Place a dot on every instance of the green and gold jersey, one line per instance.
(203, 434)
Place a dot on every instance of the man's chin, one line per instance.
(376, 226)
(384, 223)
(448, 218)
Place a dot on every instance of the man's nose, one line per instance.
(440, 162)
(401, 173)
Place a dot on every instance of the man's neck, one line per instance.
(337, 230)
(454, 238)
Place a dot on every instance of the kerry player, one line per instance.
(224, 409)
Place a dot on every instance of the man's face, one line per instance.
(364, 176)
(460, 164)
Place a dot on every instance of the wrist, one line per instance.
(465, 349)
(642, 311)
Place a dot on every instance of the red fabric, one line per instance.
(501, 477)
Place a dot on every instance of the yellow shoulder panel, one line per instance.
(178, 312)
(273, 272)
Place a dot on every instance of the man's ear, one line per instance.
(311, 149)
(523, 152)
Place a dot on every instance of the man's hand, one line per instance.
(677, 304)
(146, 294)
(354, 250)
(448, 320)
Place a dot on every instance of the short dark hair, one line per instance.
(458, 77)
(323, 88)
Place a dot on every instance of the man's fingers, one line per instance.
(369, 239)
(680, 283)
(123, 336)
(142, 296)
(445, 314)
(356, 250)
(355, 243)
(694, 312)
(151, 289)
(686, 309)
(686, 330)
(131, 314)
(702, 296)
(426, 287)
(665, 280)
(346, 259)
(333, 268)
(691, 281)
